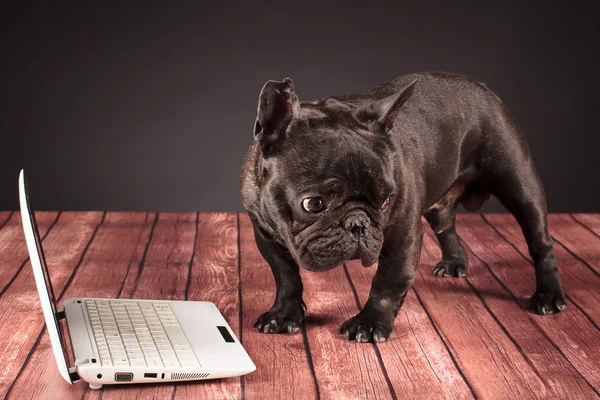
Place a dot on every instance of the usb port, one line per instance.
(148, 375)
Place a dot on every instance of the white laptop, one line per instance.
(133, 341)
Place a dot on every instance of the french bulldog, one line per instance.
(349, 177)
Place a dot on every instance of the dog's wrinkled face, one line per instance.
(335, 197)
(328, 178)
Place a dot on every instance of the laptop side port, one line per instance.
(150, 375)
(124, 376)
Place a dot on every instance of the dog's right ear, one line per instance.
(277, 106)
(380, 115)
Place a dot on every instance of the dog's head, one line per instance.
(328, 173)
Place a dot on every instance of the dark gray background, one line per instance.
(151, 107)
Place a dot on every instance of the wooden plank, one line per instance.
(282, 363)
(576, 277)
(579, 241)
(21, 319)
(215, 277)
(589, 221)
(343, 369)
(490, 361)
(5, 217)
(163, 273)
(417, 361)
(485, 248)
(13, 251)
(570, 331)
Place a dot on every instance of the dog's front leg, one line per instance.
(396, 272)
(288, 311)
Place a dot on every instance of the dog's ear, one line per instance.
(382, 113)
(277, 106)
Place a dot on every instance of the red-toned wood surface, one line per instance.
(497, 268)
(453, 338)
(589, 221)
(577, 239)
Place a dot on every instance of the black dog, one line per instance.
(349, 177)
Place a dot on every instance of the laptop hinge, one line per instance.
(60, 314)
(73, 374)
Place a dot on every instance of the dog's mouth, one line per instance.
(367, 261)
(321, 264)
(323, 254)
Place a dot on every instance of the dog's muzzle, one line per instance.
(354, 238)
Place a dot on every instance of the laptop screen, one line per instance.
(42, 278)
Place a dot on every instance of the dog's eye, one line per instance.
(385, 204)
(313, 204)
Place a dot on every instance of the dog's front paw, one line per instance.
(543, 303)
(282, 319)
(453, 268)
(366, 327)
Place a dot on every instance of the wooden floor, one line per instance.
(453, 338)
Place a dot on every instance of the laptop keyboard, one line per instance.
(139, 334)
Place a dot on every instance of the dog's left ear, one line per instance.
(382, 113)
(277, 106)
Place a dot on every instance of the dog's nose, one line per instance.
(356, 222)
(358, 231)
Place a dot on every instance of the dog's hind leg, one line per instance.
(512, 178)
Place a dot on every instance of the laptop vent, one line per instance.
(181, 376)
